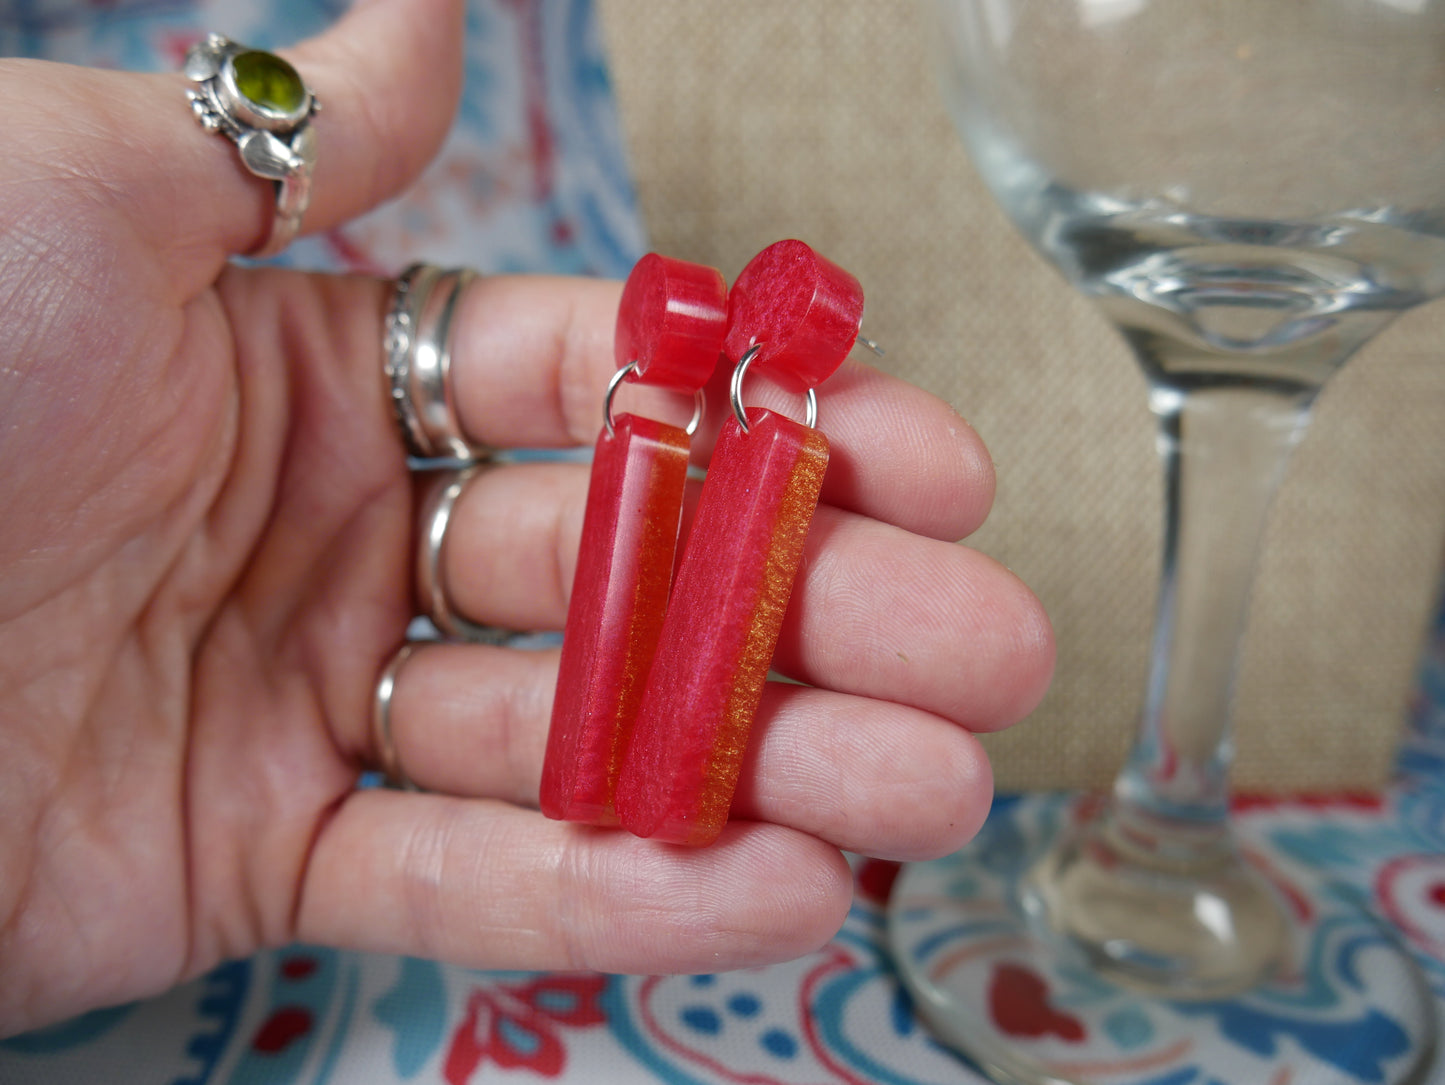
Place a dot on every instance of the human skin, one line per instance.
(206, 560)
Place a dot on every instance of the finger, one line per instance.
(942, 627)
(876, 610)
(511, 546)
(895, 452)
(868, 776)
(485, 885)
(472, 719)
(532, 358)
(387, 75)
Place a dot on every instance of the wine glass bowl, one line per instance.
(1258, 184)
(1248, 190)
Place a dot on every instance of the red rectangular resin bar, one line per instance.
(721, 628)
(619, 596)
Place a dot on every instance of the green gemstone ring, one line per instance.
(259, 102)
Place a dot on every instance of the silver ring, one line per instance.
(261, 104)
(735, 392)
(382, 740)
(699, 401)
(417, 343)
(431, 583)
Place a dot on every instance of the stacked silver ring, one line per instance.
(418, 362)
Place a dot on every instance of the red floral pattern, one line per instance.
(516, 1026)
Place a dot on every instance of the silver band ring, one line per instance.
(699, 401)
(431, 581)
(735, 393)
(382, 739)
(418, 362)
(259, 102)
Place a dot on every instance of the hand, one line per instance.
(205, 562)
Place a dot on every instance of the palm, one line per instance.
(244, 515)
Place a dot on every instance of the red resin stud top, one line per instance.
(803, 309)
(671, 322)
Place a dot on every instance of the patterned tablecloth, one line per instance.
(534, 178)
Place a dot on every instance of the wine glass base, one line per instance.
(1350, 1006)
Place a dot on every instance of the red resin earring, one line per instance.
(795, 315)
(670, 326)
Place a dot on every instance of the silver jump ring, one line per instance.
(259, 102)
(735, 392)
(383, 742)
(417, 344)
(431, 583)
(699, 401)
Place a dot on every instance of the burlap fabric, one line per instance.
(755, 120)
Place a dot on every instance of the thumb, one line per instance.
(387, 75)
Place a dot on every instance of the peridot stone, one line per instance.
(268, 81)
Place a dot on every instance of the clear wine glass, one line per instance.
(1249, 190)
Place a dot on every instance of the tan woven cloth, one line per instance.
(756, 120)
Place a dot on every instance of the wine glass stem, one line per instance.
(1223, 450)
(1152, 890)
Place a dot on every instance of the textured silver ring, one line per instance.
(382, 739)
(431, 581)
(260, 103)
(417, 343)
